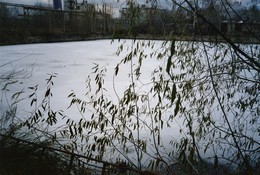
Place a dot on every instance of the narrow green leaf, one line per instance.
(116, 69)
(177, 107)
(31, 95)
(71, 132)
(169, 63)
(93, 148)
(172, 48)
(72, 94)
(47, 92)
(174, 92)
(33, 100)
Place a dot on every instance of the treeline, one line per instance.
(181, 21)
(23, 24)
(32, 24)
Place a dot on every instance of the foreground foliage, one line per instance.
(203, 96)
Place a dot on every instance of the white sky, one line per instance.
(31, 2)
(113, 3)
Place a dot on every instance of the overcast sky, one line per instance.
(118, 4)
(31, 2)
(113, 3)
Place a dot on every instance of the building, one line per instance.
(57, 5)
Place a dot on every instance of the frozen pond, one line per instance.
(72, 62)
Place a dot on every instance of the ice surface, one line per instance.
(72, 62)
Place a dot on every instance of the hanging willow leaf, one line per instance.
(169, 64)
(31, 95)
(177, 108)
(17, 94)
(71, 132)
(116, 69)
(93, 148)
(33, 100)
(174, 92)
(172, 47)
(47, 92)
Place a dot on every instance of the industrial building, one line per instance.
(57, 4)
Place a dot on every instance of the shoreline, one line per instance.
(73, 38)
